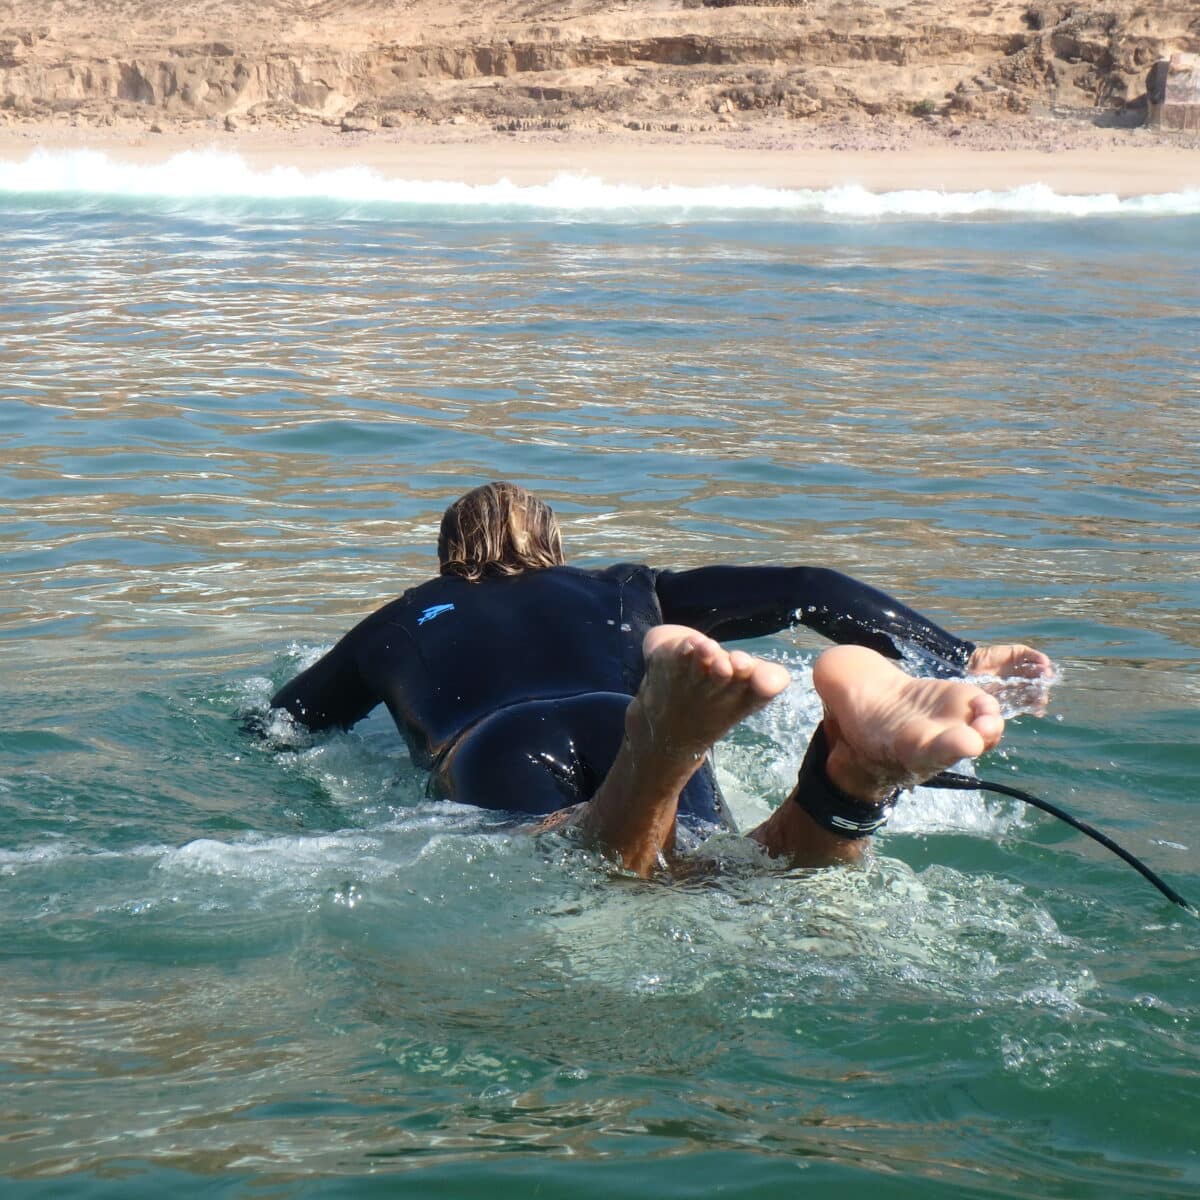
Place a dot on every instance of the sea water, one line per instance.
(234, 407)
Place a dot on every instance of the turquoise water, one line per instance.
(244, 967)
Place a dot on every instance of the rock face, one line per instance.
(1173, 93)
(532, 64)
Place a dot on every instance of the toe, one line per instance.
(743, 665)
(990, 728)
(713, 659)
(770, 678)
(958, 741)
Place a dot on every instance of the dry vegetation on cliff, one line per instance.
(661, 65)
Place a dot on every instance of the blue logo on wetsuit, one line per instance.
(434, 610)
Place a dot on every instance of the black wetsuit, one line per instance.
(512, 690)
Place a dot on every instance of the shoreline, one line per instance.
(1095, 164)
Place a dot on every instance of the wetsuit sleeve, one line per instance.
(332, 693)
(729, 603)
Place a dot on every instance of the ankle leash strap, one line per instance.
(848, 817)
(827, 804)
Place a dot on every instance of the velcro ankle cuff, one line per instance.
(831, 808)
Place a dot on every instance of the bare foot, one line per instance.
(692, 694)
(694, 691)
(888, 730)
(885, 730)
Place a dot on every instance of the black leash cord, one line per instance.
(968, 783)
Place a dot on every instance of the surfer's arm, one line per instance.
(332, 693)
(729, 603)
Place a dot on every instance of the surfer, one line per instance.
(592, 697)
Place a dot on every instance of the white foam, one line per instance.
(275, 860)
(14, 860)
(930, 810)
(205, 175)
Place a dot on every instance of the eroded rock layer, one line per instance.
(663, 64)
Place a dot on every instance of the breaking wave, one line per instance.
(200, 176)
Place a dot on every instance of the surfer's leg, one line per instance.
(883, 729)
(693, 693)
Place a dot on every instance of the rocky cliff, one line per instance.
(661, 64)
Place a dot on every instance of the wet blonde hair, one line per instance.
(498, 529)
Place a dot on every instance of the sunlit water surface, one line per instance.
(233, 964)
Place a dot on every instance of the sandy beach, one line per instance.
(1119, 161)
